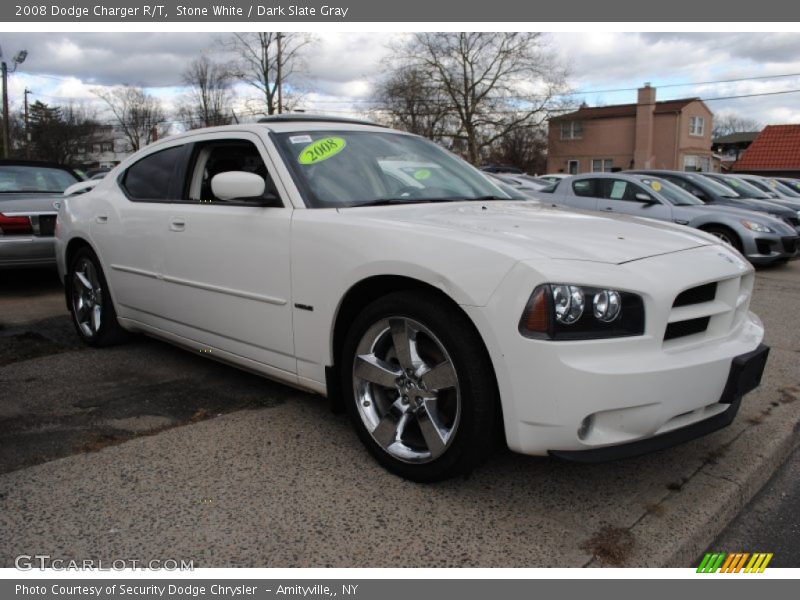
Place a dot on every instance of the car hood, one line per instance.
(760, 206)
(530, 229)
(28, 202)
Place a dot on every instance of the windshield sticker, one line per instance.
(321, 150)
(301, 139)
(422, 174)
(655, 185)
(734, 183)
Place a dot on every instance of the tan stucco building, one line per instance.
(674, 134)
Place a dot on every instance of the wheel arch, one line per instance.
(361, 294)
(717, 225)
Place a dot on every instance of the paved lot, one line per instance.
(147, 451)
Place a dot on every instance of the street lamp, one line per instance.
(18, 59)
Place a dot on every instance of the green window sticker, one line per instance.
(321, 150)
(734, 183)
(422, 174)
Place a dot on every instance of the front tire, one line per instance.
(726, 235)
(419, 386)
(90, 304)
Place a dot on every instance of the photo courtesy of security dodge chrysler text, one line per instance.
(436, 307)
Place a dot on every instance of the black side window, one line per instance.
(586, 188)
(151, 177)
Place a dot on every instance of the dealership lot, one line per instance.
(145, 451)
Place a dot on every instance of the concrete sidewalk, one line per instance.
(289, 485)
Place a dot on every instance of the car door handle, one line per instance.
(609, 208)
(101, 218)
(177, 225)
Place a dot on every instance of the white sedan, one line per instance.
(438, 312)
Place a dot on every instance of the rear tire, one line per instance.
(90, 305)
(419, 387)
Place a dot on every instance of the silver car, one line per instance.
(30, 193)
(762, 239)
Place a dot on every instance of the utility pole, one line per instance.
(18, 59)
(4, 67)
(279, 73)
(27, 130)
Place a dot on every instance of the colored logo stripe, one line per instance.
(734, 563)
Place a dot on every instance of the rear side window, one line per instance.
(586, 188)
(151, 177)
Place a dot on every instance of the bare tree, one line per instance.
(524, 148)
(270, 61)
(733, 123)
(208, 102)
(494, 83)
(139, 115)
(405, 100)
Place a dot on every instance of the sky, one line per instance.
(342, 67)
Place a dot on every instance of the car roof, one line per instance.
(285, 125)
(618, 174)
(306, 118)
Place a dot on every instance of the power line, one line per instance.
(687, 84)
(572, 93)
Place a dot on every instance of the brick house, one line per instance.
(775, 152)
(672, 134)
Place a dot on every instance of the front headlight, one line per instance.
(562, 311)
(756, 226)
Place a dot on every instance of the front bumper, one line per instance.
(745, 376)
(765, 249)
(571, 396)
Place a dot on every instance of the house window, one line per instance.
(602, 165)
(571, 130)
(696, 125)
(572, 167)
(107, 147)
(692, 162)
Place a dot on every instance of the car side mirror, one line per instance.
(645, 198)
(237, 185)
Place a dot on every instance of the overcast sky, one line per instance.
(66, 66)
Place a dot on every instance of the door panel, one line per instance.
(619, 196)
(580, 193)
(129, 231)
(227, 272)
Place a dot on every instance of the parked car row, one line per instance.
(764, 228)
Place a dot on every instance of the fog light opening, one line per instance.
(586, 427)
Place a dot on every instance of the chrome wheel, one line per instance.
(723, 236)
(87, 297)
(407, 391)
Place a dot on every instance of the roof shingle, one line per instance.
(777, 148)
(623, 110)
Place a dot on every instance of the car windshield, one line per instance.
(335, 169)
(673, 193)
(714, 186)
(784, 189)
(746, 189)
(34, 179)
